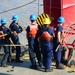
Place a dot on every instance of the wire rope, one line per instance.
(17, 7)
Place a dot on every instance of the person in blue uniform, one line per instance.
(4, 40)
(37, 49)
(46, 44)
(15, 30)
(57, 41)
(31, 35)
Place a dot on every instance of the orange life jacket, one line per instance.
(46, 36)
(33, 30)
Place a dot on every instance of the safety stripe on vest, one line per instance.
(40, 18)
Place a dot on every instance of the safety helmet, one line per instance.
(61, 19)
(46, 21)
(15, 17)
(3, 21)
(32, 17)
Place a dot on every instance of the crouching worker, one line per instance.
(4, 40)
(46, 44)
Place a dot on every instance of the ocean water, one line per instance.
(23, 8)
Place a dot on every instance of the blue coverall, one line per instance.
(15, 27)
(3, 42)
(47, 48)
(37, 50)
(57, 55)
(31, 42)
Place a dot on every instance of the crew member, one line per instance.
(31, 35)
(57, 41)
(46, 44)
(15, 30)
(4, 40)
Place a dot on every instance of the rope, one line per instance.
(17, 7)
(14, 45)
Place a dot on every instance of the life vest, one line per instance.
(1, 33)
(33, 30)
(46, 36)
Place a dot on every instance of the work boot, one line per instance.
(19, 61)
(4, 65)
(49, 70)
(12, 60)
(60, 66)
(33, 67)
(41, 66)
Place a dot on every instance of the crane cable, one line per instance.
(17, 7)
(21, 7)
